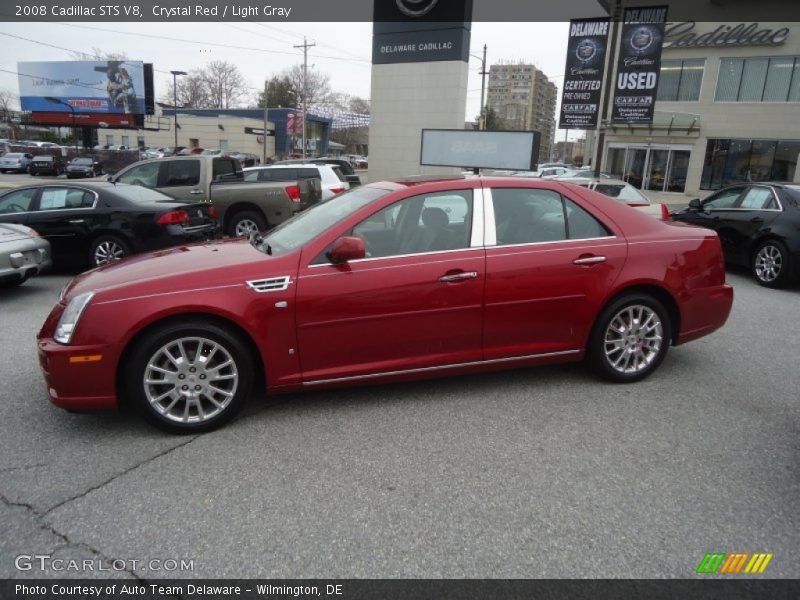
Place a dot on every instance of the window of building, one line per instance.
(759, 80)
(109, 140)
(680, 80)
(732, 161)
(223, 144)
(126, 141)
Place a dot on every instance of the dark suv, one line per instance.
(46, 164)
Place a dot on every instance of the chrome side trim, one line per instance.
(440, 367)
(272, 284)
(490, 226)
(371, 259)
(476, 236)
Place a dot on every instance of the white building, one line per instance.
(727, 110)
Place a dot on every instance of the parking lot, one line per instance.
(533, 473)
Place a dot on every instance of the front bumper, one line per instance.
(79, 377)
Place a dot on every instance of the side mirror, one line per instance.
(346, 249)
(109, 178)
(694, 204)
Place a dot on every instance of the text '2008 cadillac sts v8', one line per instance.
(391, 281)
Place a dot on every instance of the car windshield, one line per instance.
(138, 193)
(81, 161)
(303, 228)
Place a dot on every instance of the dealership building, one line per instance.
(727, 110)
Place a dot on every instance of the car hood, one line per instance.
(181, 268)
(10, 232)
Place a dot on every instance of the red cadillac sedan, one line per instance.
(390, 281)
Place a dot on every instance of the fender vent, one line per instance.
(274, 284)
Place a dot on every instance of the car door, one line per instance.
(755, 211)
(549, 266)
(181, 179)
(15, 206)
(716, 213)
(413, 303)
(64, 217)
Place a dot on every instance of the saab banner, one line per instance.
(639, 64)
(583, 77)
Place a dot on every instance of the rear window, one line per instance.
(339, 174)
(42, 158)
(277, 175)
(223, 166)
(82, 161)
(306, 173)
(14, 155)
(182, 172)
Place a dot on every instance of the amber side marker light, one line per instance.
(86, 358)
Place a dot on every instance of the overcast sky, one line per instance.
(343, 50)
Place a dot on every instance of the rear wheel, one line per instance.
(107, 249)
(770, 264)
(245, 222)
(190, 377)
(630, 339)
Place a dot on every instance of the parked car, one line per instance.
(543, 172)
(46, 164)
(212, 152)
(246, 159)
(344, 165)
(243, 208)
(93, 223)
(23, 254)
(187, 333)
(758, 225)
(190, 151)
(331, 177)
(84, 166)
(624, 192)
(15, 161)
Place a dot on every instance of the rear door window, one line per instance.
(759, 198)
(223, 166)
(181, 172)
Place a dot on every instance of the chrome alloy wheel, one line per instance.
(245, 227)
(108, 251)
(633, 339)
(768, 263)
(190, 380)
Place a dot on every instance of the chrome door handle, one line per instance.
(459, 276)
(589, 260)
(77, 221)
(195, 192)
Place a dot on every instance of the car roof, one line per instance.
(603, 180)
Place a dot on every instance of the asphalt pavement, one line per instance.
(541, 472)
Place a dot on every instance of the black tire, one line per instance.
(150, 350)
(771, 264)
(104, 245)
(606, 358)
(237, 222)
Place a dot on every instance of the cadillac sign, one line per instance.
(683, 35)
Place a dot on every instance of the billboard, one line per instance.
(109, 86)
(639, 64)
(517, 150)
(583, 76)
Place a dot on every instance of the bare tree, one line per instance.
(225, 85)
(318, 85)
(192, 91)
(98, 54)
(8, 102)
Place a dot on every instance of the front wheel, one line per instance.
(630, 339)
(245, 222)
(770, 264)
(190, 377)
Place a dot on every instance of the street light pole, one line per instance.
(175, 105)
(52, 100)
(482, 117)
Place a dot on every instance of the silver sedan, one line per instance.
(22, 254)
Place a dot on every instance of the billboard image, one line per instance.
(583, 77)
(109, 86)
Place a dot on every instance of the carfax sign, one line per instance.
(583, 77)
(639, 64)
(111, 86)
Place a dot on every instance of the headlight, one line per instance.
(71, 316)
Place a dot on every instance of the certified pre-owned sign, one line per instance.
(583, 78)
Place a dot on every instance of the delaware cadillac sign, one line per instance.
(684, 35)
(639, 64)
(583, 77)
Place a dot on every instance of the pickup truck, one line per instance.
(242, 206)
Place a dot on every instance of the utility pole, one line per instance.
(482, 122)
(616, 17)
(266, 89)
(305, 48)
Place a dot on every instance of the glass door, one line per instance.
(635, 162)
(656, 173)
(679, 167)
